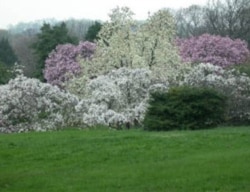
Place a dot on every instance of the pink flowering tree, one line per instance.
(62, 63)
(221, 51)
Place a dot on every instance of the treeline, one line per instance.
(219, 17)
(21, 41)
(112, 82)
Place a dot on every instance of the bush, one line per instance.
(221, 51)
(117, 99)
(185, 108)
(28, 104)
(230, 82)
(244, 68)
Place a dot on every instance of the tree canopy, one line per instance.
(47, 40)
(93, 30)
(7, 55)
(219, 17)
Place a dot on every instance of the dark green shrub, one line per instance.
(244, 68)
(5, 73)
(185, 108)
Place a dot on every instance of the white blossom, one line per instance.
(116, 99)
(27, 104)
(231, 83)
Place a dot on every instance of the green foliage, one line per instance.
(185, 108)
(244, 68)
(5, 75)
(7, 55)
(47, 40)
(93, 31)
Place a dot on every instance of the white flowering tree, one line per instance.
(123, 42)
(116, 44)
(116, 99)
(130, 60)
(28, 104)
(154, 45)
(234, 85)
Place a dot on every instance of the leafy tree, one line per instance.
(7, 55)
(92, 33)
(221, 51)
(4, 73)
(47, 40)
(7, 60)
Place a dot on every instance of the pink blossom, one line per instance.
(62, 62)
(221, 51)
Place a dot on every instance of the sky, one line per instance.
(15, 11)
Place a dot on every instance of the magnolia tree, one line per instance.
(234, 85)
(62, 63)
(155, 47)
(123, 42)
(27, 104)
(118, 98)
(221, 51)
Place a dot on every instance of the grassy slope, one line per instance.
(106, 161)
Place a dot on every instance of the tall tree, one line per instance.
(93, 31)
(219, 17)
(47, 40)
(5, 74)
(123, 42)
(190, 21)
(229, 18)
(4, 33)
(78, 28)
(21, 44)
(7, 55)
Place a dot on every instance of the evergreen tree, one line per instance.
(6, 73)
(47, 40)
(93, 32)
(7, 55)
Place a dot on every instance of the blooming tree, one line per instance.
(118, 98)
(123, 42)
(221, 51)
(154, 45)
(62, 62)
(28, 104)
(234, 85)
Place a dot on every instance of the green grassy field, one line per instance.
(132, 161)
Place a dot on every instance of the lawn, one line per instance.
(104, 160)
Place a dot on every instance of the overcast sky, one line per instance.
(15, 11)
